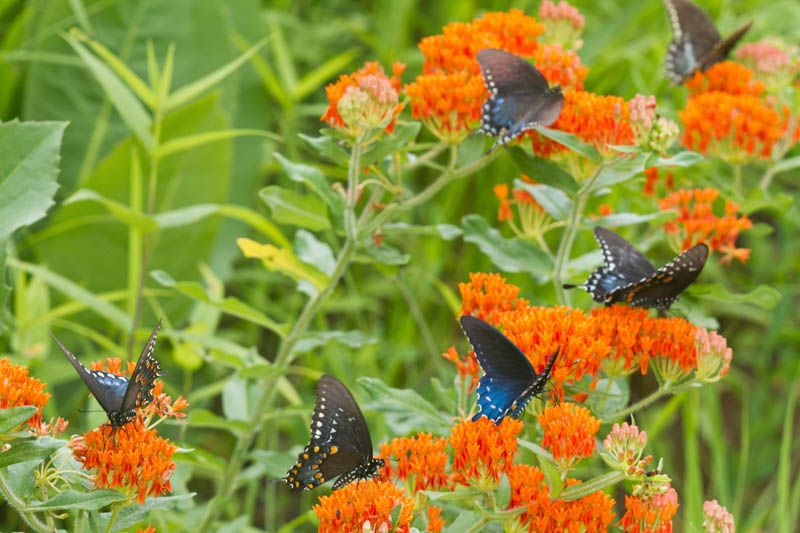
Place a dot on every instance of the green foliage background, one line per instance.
(732, 441)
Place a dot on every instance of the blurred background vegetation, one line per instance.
(731, 441)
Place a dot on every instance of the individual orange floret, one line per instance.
(593, 118)
(651, 514)
(560, 67)
(335, 91)
(736, 128)
(467, 366)
(449, 103)
(422, 458)
(727, 77)
(132, 458)
(373, 501)
(17, 388)
(697, 222)
(483, 450)
(487, 294)
(569, 432)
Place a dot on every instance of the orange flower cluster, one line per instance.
(591, 513)
(132, 457)
(483, 450)
(422, 456)
(728, 77)
(466, 367)
(17, 388)
(335, 91)
(595, 119)
(373, 501)
(569, 432)
(697, 222)
(651, 514)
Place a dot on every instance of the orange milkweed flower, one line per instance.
(560, 67)
(422, 456)
(483, 450)
(569, 432)
(736, 128)
(132, 457)
(467, 366)
(335, 91)
(727, 77)
(449, 103)
(17, 388)
(435, 520)
(355, 504)
(650, 514)
(697, 222)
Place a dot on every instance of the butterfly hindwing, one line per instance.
(519, 96)
(340, 443)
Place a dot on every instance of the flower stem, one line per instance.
(28, 517)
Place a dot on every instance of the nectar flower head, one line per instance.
(483, 450)
(422, 456)
(17, 388)
(713, 356)
(717, 519)
(698, 223)
(364, 504)
(563, 24)
(650, 513)
(726, 77)
(370, 99)
(467, 366)
(133, 458)
(625, 444)
(569, 431)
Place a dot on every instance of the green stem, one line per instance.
(113, 518)
(28, 517)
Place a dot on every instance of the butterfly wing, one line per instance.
(108, 389)
(519, 96)
(507, 372)
(340, 441)
(662, 288)
(140, 389)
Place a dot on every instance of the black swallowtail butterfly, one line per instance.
(509, 381)
(340, 443)
(519, 96)
(117, 395)
(627, 276)
(696, 43)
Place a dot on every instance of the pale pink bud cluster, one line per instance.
(766, 57)
(717, 519)
(713, 355)
(625, 444)
(563, 24)
(370, 105)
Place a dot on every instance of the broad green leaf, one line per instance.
(87, 501)
(314, 252)
(510, 255)
(203, 418)
(127, 105)
(314, 179)
(762, 296)
(122, 212)
(619, 171)
(572, 142)
(288, 207)
(229, 305)
(28, 450)
(28, 171)
(187, 216)
(543, 171)
(188, 142)
(11, 418)
(403, 134)
(405, 408)
(284, 261)
(327, 147)
(312, 340)
(557, 204)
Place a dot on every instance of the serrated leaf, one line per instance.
(28, 171)
(86, 501)
(543, 171)
(510, 255)
(288, 207)
(557, 204)
(406, 406)
(762, 296)
(403, 134)
(13, 417)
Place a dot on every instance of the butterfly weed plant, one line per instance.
(281, 263)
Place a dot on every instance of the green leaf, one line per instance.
(311, 341)
(619, 171)
(203, 418)
(762, 296)
(314, 179)
(181, 144)
(13, 417)
(288, 207)
(28, 171)
(327, 147)
(557, 204)
(405, 407)
(124, 101)
(122, 212)
(510, 255)
(573, 143)
(229, 305)
(28, 450)
(543, 171)
(576, 492)
(189, 215)
(403, 134)
(86, 501)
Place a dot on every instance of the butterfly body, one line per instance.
(509, 382)
(696, 43)
(120, 396)
(519, 97)
(340, 444)
(628, 276)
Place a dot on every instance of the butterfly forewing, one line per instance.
(140, 389)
